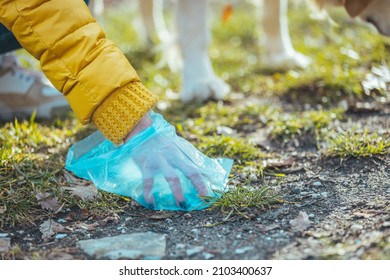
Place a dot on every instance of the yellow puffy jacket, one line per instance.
(94, 75)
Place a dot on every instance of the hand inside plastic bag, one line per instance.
(155, 167)
(161, 155)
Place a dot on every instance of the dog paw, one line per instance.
(207, 89)
(286, 61)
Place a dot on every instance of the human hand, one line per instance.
(161, 157)
(144, 123)
(154, 166)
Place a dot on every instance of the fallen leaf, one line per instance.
(161, 215)
(5, 244)
(3, 209)
(265, 228)
(48, 202)
(361, 214)
(50, 228)
(278, 163)
(110, 219)
(227, 12)
(85, 226)
(59, 256)
(301, 222)
(84, 192)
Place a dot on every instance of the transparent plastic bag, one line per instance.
(157, 168)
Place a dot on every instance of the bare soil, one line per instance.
(343, 203)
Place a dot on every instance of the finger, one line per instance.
(198, 183)
(146, 170)
(195, 177)
(148, 195)
(174, 182)
(175, 185)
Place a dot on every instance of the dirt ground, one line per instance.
(332, 209)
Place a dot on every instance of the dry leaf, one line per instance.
(5, 244)
(365, 214)
(85, 226)
(3, 209)
(301, 222)
(265, 228)
(162, 215)
(110, 219)
(50, 228)
(48, 202)
(84, 192)
(227, 12)
(278, 163)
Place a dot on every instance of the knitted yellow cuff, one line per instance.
(122, 110)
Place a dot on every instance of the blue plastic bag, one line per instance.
(157, 168)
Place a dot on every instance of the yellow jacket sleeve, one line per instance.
(93, 74)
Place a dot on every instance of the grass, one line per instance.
(283, 106)
(244, 199)
(32, 162)
(357, 144)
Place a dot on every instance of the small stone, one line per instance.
(208, 256)
(225, 130)
(187, 216)
(304, 193)
(60, 235)
(192, 251)
(5, 244)
(240, 251)
(317, 184)
(386, 224)
(146, 245)
(324, 194)
(61, 221)
(3, 235)
(315, 195)
(356, 228)
(180, 246)
(311, 215)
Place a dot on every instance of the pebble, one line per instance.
(317, 184)
(208, 256)
(180, 246)
(311, 215)
(243, 250)
(356, 228)
(3, 235)
(60, 235)
(386, 224)
(195, 250)
(187, 216)
(324, 194)
(315, 195)
(146, 245)
(5, 244)
(61, 221)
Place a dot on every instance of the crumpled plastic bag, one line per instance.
(151, 168)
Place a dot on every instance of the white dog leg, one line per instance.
(279, 52)
(97, 8)
(153, 19)
(199, 82)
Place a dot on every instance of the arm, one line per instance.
(96, 78)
